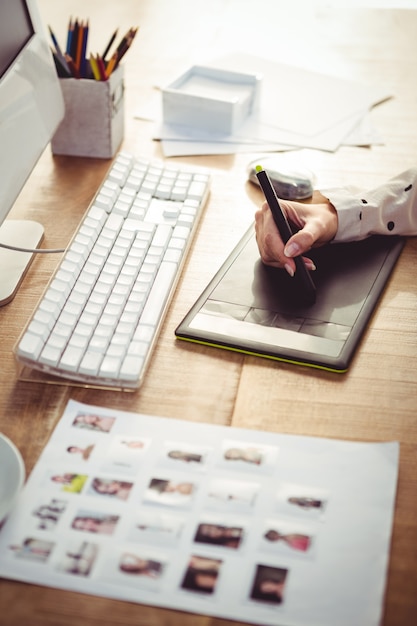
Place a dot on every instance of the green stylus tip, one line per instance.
(259, 168)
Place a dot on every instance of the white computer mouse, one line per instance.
(291, 182)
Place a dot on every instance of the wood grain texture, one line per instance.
(375, 401)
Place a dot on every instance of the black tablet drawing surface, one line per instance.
(251, 308)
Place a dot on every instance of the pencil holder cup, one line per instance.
(93, 125)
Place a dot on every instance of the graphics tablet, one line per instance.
(252, 308)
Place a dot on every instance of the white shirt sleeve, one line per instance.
(390, 209)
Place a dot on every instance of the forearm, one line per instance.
(390, 209)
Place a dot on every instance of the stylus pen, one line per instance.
(302, 275)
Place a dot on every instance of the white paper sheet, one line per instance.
(174, 144)
(301, 101)
(175, 514)
(298, 108)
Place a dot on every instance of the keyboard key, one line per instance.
(30, 346)
(159, 294)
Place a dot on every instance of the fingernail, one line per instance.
(293, 249)
(289, 269)
(310, 265)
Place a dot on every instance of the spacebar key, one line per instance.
(159, 294)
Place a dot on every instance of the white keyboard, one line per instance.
(100, 315)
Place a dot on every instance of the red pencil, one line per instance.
(101, 67)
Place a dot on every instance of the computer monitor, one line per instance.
(31, 107)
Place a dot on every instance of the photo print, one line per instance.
(134, 566)
(112, 488)
(238, 455)
(211, 531)
(232, 494)
(67, 482)
(166, 492)
(201, 575)
(94, 422)
(125, 453)
(158, 528)
(302, 501)
(288, 538)
(79, 451)
(269, 584)
(185, 456)
(95, 522)
(33, 549)
(79, 558)
(48, 515)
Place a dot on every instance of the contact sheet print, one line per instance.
(247, 525)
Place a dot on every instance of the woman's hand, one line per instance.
(315, 222)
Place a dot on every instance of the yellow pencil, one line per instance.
(94, 67)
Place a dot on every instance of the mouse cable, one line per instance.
(33, 250)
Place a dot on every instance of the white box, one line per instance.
(93, 125)
(211, 99)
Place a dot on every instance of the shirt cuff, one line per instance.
(349, 214)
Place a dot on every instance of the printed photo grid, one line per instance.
(247, 525)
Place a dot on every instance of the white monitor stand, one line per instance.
(31, 108)
(25, 234)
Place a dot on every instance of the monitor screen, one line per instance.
(15, 32)
(31, 107)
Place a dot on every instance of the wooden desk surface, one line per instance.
(375, 401)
